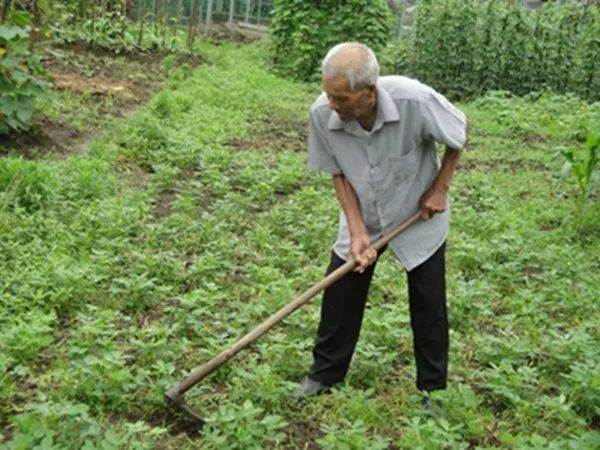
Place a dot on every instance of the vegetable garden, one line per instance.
(155, 205)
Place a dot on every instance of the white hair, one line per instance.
(359, 72)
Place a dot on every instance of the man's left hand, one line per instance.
(432, 202)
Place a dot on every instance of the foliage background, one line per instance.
(466, 47)
(303, 31)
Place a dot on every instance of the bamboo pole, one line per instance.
(208, 21)
(93, 34)
(81, 9)
(192, 23)
(6, 4)
(142, 23)
(36, 23)
(248, 11)
(177, 21)
(155, 22)
(231, 9)
(122, 14)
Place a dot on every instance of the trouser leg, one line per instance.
(341, 317)
(429, 321)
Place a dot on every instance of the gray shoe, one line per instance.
(427, 404)
(310, 388)
(432, 407)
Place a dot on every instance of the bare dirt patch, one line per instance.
(302, 434)
(534, 138)
(501, 165)
(91, 86)
(164, 203)
(76, 82)
(164, 200)
(220, 33)
(275, 133)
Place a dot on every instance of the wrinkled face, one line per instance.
(348, 104)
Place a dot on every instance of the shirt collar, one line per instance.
(386, 112)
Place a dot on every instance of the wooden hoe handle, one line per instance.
(174, 396)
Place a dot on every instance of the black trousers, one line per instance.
(342, 312)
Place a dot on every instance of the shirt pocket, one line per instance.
(404, 166)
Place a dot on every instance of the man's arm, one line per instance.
(435, 199)
(359, 237)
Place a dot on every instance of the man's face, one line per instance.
(348, 104)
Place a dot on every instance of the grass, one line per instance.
(191, 222)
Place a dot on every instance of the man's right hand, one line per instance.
(361, 252)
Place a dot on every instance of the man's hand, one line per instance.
(361, 253)
(432, 202)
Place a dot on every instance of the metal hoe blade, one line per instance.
(175, 400)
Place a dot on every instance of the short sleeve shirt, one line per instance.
(391, 166)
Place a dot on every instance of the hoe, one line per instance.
(175, 395)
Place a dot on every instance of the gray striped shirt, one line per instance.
(391, 166)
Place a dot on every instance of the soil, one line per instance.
(275, 133)
(302, 434)
(164, 200)
(108, 86)
(502, 165)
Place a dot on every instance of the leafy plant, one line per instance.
(584, 167)
(26, 336)
(461, 47)
(352, 436)
(25, 184)
(107, 26)
(19, 72)
(583, 387)
(68, 425)
(302, 31)
(244, 426)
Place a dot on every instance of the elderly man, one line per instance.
(377, 137)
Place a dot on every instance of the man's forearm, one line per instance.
(350, 205)
(444, 177)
